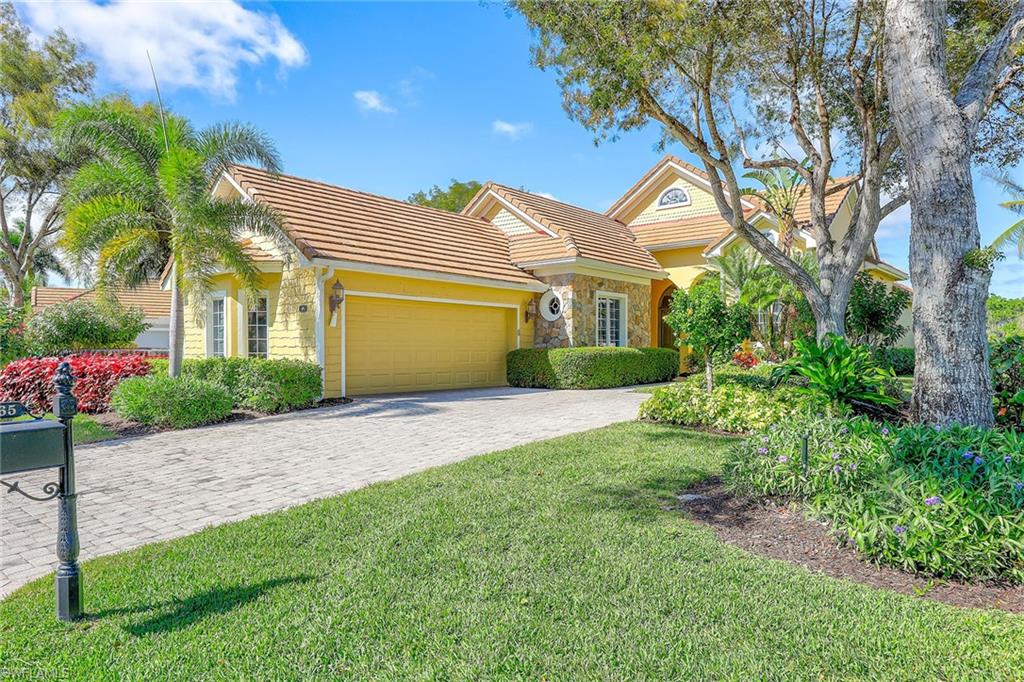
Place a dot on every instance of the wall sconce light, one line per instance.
(531, 309)
(336, 299)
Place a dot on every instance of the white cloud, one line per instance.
(371, 100)
(547, 195)
(412, 85)
(193, 44)
(512, 131)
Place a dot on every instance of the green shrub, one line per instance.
(159, 400)
(255, 383)
(946, 503)
(1007, 360)
(899, 360)
(843, 373)
(587, 367)
(13, 343)
(278, 385)
(83, 325)
(731, 406)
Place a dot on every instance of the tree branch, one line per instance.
(976, 89)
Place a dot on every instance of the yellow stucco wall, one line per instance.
(291, 333)
(701, 203)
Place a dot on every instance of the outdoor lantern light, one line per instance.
(337, 298)
(531, 309)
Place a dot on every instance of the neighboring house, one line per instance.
(389, 296)
(150, 298)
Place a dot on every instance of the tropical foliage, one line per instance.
(707, 323)
(30, 380)
(874, 311)
(163, 401)
(1007, 360)
(38, 78)
(145, 196)
(845, 374)
(1013, 236)
(1005, 316)
(781, 191)
(946, 502)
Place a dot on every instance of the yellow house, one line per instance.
(387, 296)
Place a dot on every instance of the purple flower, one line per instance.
(932, 501)
(899, 530)
(835, 456)
(885, 432)
(1018, 486)
(967, 455)
(853, 466)
(843, 431)
(837, 468)
(1007, 459)
(979, 461)
(783, 459)
(762, 451)
(764, 439)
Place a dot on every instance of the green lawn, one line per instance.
(554, 561)
(84, 429)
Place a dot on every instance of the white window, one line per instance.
(611, 319)
(672, 197)
(258, 328)
(216, 333)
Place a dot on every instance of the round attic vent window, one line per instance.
(551, 306)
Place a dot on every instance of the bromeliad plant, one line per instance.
(848, 376)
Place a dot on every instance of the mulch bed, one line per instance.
(782, 531)
(126, 428)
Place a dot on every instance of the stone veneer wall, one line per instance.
(578, 324)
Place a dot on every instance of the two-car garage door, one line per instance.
(400, 345)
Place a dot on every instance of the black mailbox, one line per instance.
(36, 444)
(44, 444)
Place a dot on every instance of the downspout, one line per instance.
(319, 309)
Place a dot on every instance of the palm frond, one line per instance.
(228, 143)
(1012, 236)
(122, 259)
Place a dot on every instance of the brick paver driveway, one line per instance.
(140, 490)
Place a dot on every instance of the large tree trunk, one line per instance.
(952, 383)
(177, 328)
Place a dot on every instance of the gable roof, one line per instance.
(149, 297)
(338, 224)
(569, 232)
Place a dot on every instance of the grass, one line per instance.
(84, 429)
(556, 560)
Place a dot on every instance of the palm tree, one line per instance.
(1014, 234)
(144, 200)
(783, 189)
(44, 263)
(737, 266)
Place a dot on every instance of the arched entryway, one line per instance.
(666, 337)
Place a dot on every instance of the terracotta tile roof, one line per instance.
(580, 233)
(331, 222)
(149, 297)
(701, 229)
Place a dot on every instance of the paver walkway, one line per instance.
(140, 490)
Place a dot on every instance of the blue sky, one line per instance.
(392, 98)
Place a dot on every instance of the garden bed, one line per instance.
(780, 530)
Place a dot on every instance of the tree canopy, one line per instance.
(452, 199)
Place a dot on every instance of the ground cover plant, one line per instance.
(944, 502)
(1007, 360)
(30, 380)
(741, 402)
(556, 560)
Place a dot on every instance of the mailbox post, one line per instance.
(41, 444)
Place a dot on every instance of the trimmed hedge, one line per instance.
(30, 380)
(273, 385)
(278, 385)
(176, 403)
(590, 367)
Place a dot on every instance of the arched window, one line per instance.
(673, 196)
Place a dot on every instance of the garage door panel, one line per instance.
(398, 345)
